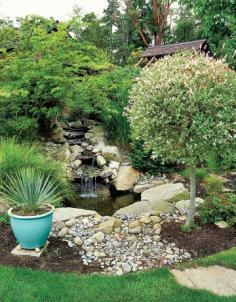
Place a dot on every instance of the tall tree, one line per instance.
(218, 20)
(149, 18)
(187, 26)
(121, 35)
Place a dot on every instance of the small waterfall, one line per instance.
(88, 187)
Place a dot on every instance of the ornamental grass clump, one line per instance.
(183, 109)
(29, 191)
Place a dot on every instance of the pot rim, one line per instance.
(31, 217)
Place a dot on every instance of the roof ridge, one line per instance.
(179, 43)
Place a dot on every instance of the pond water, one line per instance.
(102, 200)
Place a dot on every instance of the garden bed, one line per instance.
(204, 241)
(58, 257)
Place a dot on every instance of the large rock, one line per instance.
(101, 161)
(98, 147)
(140, 188)
(111, 153)
(64, 214)
(222, 224)
(136, 208)
(183, 205)
(114, 164)
(58, 134)
(154, 199)
(162, 193)
(76, 149)
(126, 179)
(106, 172)
(109, 225)
(98, 131)
(64, 153)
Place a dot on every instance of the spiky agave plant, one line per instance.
(29, 190)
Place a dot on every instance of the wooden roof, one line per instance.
(163, 50)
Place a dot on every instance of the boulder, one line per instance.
(78, 124)
(98, 140)
(155, 219)
(89, 123)
(77, 163)
(136, 208)
(106, 172)
(72, 157)
(145, 219)
(89, 135)
(159, 196)
(111, 153)
(63, 232)
(97, 131)
(64, 214)
(89, 148)
(134, 224)
(99, 236)
(140, 188)
(64, 153)
(136, 230)
(114, 164)
(109, 225)
(222, 224)
(101, 161)
(155, 199)
(183, 205)
(126, 179)
(78, 241)
(58, 134)
(76, 149)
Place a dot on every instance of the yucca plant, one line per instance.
(29, 191)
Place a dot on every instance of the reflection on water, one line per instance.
(104, 203)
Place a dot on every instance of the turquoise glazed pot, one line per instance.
(31, 232)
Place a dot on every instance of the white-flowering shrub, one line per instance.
(184, 107)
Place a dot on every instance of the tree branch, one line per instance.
(135, 22)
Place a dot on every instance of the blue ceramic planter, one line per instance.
(31, 232)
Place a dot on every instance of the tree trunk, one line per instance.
(158, 39)
(191, 213)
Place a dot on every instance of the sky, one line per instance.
(59, 9)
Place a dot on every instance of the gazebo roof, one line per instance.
(163, 50)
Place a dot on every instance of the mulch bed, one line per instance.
(58, 257)
(204, 241)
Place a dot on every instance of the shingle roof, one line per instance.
(172, 48)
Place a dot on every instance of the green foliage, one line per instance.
(183, 108)
(142, 160)
(213, 184)
(29, 190)
(187, 27)
(15, 157)
(180, 196)
(104, 97)
(188, 228)
(218, 21)
(4, 218)
(201, 173)
(40, 77)
(218, 207)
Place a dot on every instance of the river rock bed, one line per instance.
(122, 245)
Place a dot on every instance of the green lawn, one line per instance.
(21, 285)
